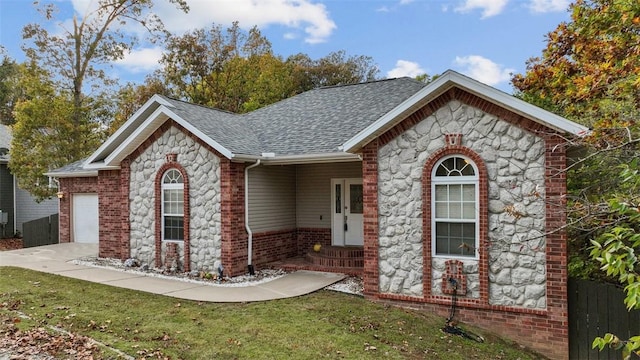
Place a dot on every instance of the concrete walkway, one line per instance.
(55, 259)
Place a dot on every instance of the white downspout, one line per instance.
(246, 215)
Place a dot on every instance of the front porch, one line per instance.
(348, 260)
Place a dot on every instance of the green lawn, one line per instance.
(323, 325)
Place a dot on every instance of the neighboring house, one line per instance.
(450, 180)
(17, 204)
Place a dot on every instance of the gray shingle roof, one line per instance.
(75, 166)
(320, 120)
(226, 128)
(314, 122)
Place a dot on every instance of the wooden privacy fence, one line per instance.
(594, 310)
(43, 231)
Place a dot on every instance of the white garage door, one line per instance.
(85, 218)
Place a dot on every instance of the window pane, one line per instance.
(338, 199)
(469, 211)
(469, 192)
(455, 211)
(455, 239)
(467, 169)
(455, 192)
(442, 210)
(355, 198)
(441, 193)
(173, 228)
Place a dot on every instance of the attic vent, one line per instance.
(171, 158)
(453, 139)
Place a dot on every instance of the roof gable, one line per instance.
(445, 83)
(325, 124)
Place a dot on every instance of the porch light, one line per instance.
(60, 195)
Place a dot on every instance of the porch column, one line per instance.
(370, 198)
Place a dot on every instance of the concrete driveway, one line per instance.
(55, 259)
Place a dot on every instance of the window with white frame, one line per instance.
(172, 205)
(454, 197)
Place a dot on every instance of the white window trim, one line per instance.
(455, 180)
(169, 186)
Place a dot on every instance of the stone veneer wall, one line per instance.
(515, 168)
(203, 171)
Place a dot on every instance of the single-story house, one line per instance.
(427, 182)
(17, 206)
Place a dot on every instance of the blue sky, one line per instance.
(484, 39)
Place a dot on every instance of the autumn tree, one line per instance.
(42, 133)
(131, 97)
(75, 56)
(590, 73)
(9, 91)
(234, 70)
(229, 69)
(337, 68)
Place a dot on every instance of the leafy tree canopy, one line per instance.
(590, 73)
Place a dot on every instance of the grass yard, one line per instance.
(323, 325)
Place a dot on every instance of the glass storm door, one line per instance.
(347, 210)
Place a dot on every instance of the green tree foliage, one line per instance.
(79, 52)
(43, 136)
(237, 71)
(131, 97)
(618, 248)
(334, 69)
(9, 91)
(66, 84)
(590, 73)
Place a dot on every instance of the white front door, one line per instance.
(85, 218)
(347, 209)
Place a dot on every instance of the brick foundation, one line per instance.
(273, 246)
(307, 237)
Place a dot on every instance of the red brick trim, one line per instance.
(483, 218)
(70, 186)
(370, 218)
(186, 216)
(234, 249)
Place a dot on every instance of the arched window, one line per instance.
(454, 202)
(172, 205)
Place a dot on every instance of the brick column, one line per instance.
(370, 196)
(234, 236)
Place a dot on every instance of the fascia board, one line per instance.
(452, 79)
(155, 99)
(84, 173)
(157, 118)
(301, 159)
(150, 125)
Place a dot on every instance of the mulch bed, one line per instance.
(10, 244)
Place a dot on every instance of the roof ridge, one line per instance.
(199, 105)
(367, 82)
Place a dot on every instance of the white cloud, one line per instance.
(489, 7)
(405, 68)
(483, 69)
(141, 60)
(544, 6)
(304, 15)
(405, 2)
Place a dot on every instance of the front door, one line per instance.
(347, 209)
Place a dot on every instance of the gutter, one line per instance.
(246, 217)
